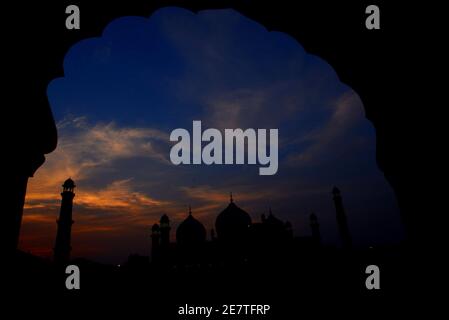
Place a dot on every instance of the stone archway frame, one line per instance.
(333, 31)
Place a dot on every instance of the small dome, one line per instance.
(155, 228)
(313, 217)
(232, 221)
(272, 220)
(190, 231)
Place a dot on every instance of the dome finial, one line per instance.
(190, 210)
(231, 199)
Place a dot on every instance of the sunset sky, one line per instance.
(124, 92)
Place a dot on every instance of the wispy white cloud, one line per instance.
(83, 148)
(119, 195)
(325, 139)
(83, 151)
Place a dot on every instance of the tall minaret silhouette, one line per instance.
(341, 219)
(315, 226)
(164, 227)
(62, 245)
(155, 237)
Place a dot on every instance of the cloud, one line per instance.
(103, 143)
(84, 149)
(220, 195)
(249, 107)
(119, 195)
(84, 152)
(325, 140)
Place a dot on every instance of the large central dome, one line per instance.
(232, 222)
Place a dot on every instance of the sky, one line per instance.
(124, 92)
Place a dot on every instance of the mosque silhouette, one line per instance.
(241, 258)
(236, 239)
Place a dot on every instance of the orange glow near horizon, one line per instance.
(113, 212)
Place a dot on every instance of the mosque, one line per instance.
(235, 238)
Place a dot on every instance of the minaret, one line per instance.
(164, 227)
(62, 245)
(315, 226)
(155, 242)
(341, 219)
